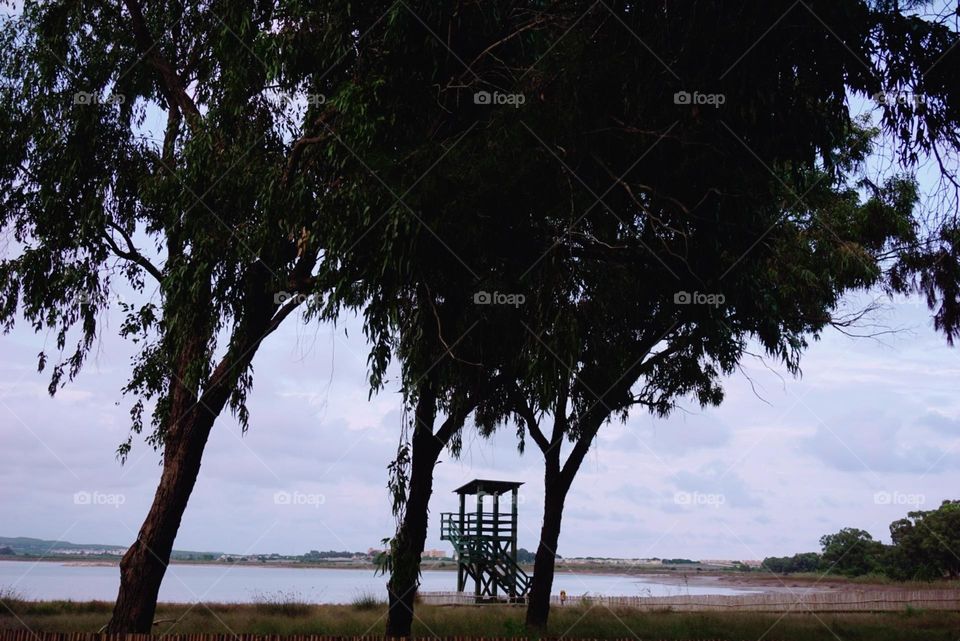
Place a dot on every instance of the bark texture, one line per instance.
(412, 534)
(188, 427)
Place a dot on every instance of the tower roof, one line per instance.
(487, 486)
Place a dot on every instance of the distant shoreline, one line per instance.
(754, 581)
(429, 564)
(447, 565)
(677, 572)
(114, 561)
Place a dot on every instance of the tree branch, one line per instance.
(560, 421)
(131, 254)
(524, 411)
(480, 392)
(170, 86)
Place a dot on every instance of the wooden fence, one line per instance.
(26, 635)
(800, 601)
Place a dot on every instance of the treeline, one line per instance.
(316, 555)
(922, 549)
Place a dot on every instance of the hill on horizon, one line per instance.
(25, 545)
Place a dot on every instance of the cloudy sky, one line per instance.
(868, 432)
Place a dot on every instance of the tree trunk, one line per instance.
(145, 563)
(188, 427)
(412, 534)
(555, 493)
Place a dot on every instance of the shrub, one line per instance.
(286, 603)
(368, 601)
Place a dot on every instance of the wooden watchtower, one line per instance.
(485, 541)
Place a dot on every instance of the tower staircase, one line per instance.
(485, 557)
(485, 541)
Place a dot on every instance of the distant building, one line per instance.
(88, 552)
(435, 554)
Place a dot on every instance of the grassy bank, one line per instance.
(366, 616)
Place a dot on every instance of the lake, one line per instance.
(244, 584)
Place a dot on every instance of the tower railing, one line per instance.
(482, 552)
(485, 525)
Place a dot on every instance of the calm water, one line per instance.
(239, 584)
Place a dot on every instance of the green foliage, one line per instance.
(803, 562)
(383, 561)
(525, 556)
(398, 478)
(610, 198)
(924, 544)
(850, 551)
(317, 555)
(922, 550)
(197, 217)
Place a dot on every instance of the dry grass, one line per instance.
(866, 579)
(367, 616)
(288, 604)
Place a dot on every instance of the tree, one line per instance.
(217, 219)
(758, 208)
(613, 202)
(804, 562)
(525, 556)
(777, 564)
(924, 544)
(266, 169)
(442, 221)
(852, 552)
(691, 204)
